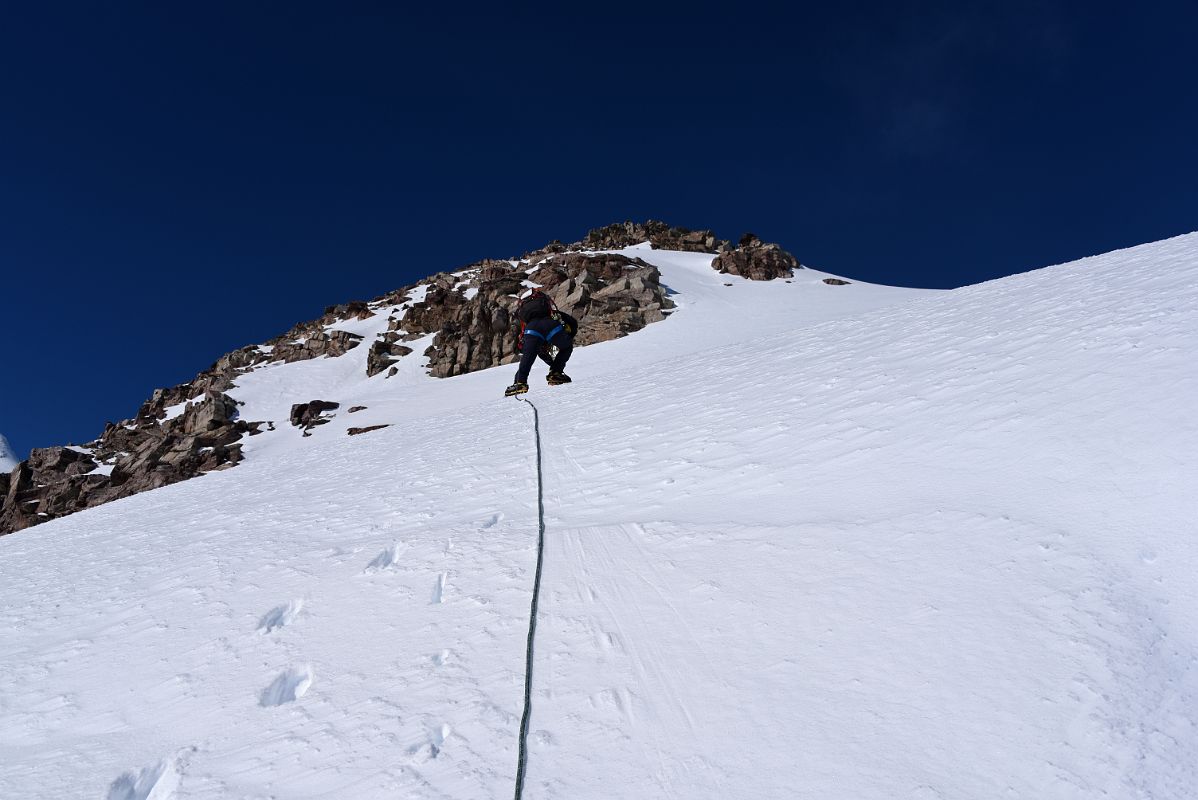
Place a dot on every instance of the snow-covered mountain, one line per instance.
(8, 459)
(460, 321)
(802, 540)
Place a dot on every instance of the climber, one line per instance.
(542, 327)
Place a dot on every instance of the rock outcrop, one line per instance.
(610, 295)
(127, 459)
(307, 416)
(331, 343)
(178, 433)
(756, 260)
(471, 313)
(384, 353)
(367, 429)
(658, 234)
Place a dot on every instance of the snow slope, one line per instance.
(802, 541)
(8, 459)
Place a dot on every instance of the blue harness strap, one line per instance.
(552, 333)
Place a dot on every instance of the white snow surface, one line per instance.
(8, 458)
(803, 541)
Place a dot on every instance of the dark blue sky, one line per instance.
(177, 180)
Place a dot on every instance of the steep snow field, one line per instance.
(803, 541)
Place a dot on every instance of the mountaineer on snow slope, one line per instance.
(543, 330)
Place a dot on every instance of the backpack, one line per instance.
(535, 306)
(538, 305)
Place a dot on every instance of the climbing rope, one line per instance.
(532, 618)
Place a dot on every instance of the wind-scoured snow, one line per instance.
(802, 541)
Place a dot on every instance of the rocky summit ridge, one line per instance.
(193, 428)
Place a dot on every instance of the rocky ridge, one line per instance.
(186, 430)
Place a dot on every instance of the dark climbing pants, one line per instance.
(533, 345)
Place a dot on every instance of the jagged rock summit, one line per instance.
(452, 322)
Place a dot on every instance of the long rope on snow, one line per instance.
(532, 619)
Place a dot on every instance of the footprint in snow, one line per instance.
(439, 736)
(279, 616)
(287, 687)
(494, 520)
(151, 783)
(439, 589)
(612, 699)
(442, 658)
(431, 748)
(384, 560)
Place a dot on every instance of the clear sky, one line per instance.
(178, 180)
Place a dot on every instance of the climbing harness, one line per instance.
(546, 337)
(532, 619)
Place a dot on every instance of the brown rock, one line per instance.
(491, 270)
(355, 309)
(213, 411)
(658, 234)
(367, 429)
(47, 460)
(384, 353)
(611, 295)
(315, 345)
(308, 415)
(835, 282)
(756, 261)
